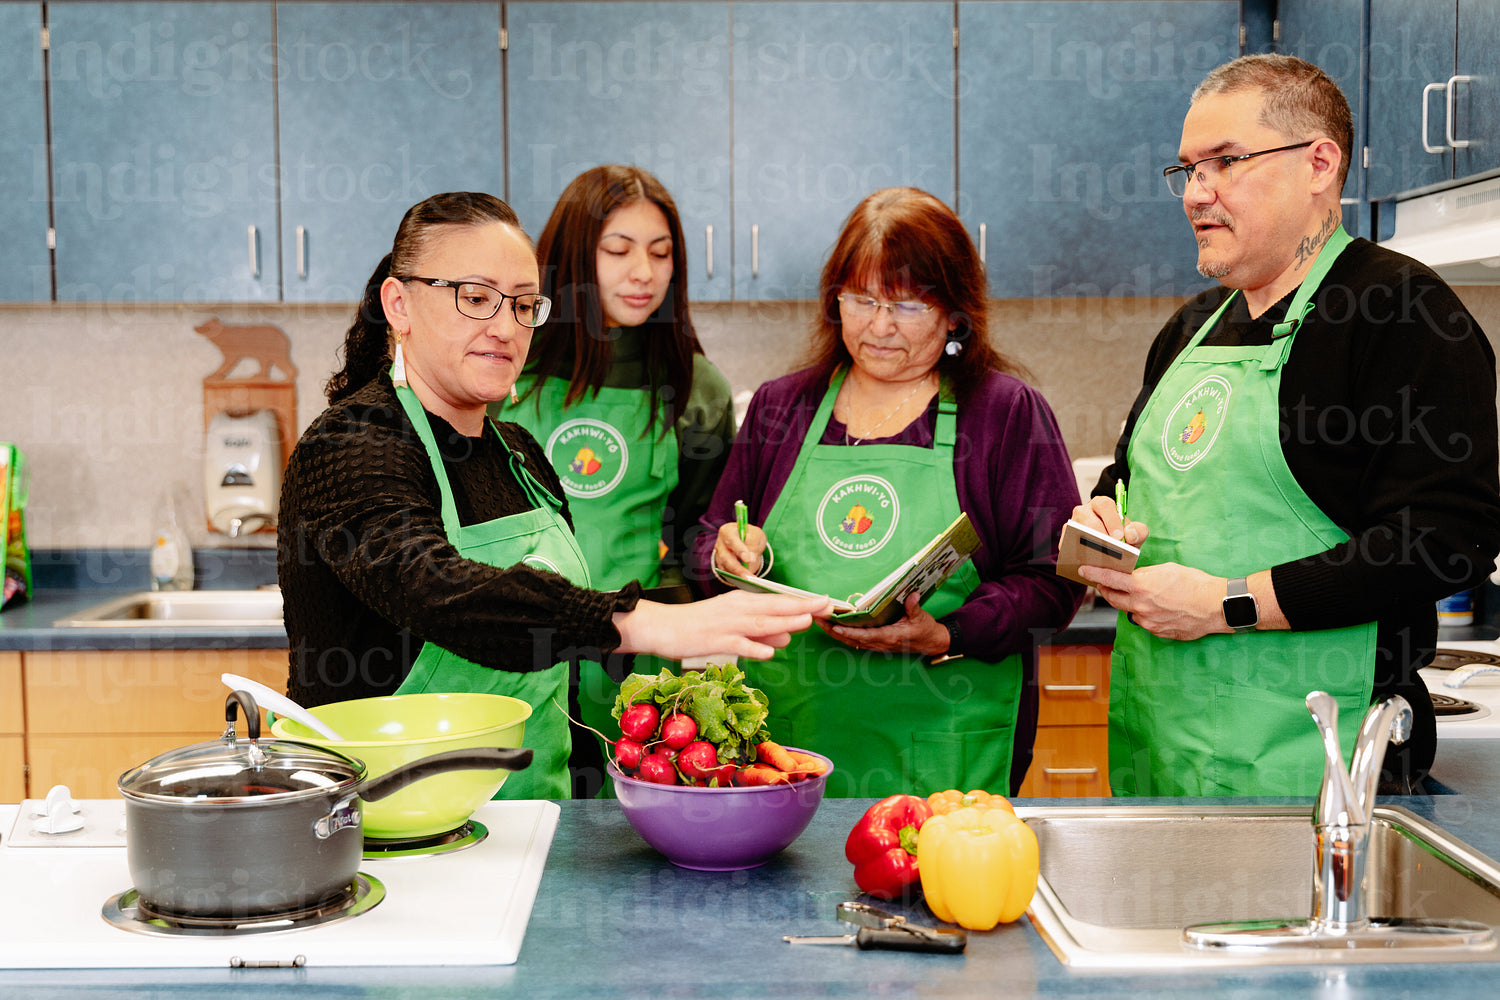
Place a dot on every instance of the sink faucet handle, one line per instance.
(1336, 799)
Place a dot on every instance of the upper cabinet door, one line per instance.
(1477, 102)
(1411, 61)
(380, 106)
(1067, 114)
(831, 102)
(638, 83)
(25, 265)
(1330, 35)
(163, 151)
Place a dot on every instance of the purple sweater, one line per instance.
(1014, 480)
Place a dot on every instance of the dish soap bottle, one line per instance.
(171, 555)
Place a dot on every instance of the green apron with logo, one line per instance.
(847, 517)
(617, 476)
(538, 538)
(1225, 714)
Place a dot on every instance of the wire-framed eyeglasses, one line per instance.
(478, 301)
(1212, 171)
(908, 311)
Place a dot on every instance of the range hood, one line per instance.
(1455, 231)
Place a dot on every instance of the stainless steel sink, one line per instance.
(183, 608)
(1119, 884)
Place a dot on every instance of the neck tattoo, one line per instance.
(886, 419)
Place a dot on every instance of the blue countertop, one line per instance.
(613, 920)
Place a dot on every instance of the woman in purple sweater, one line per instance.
(905, 417)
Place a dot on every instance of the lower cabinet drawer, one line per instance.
(12, 768)
(1068, 762)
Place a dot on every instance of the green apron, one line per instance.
(618, 478)
(537, 537)
(1225, 714)
(891, 724)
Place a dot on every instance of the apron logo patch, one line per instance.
(589, 455)
(858, 516)
(1193, 425)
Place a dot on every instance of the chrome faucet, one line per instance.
(250, 522)
(1341, 817)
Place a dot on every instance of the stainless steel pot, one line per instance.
(245, 827)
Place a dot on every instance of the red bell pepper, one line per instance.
(883, 846)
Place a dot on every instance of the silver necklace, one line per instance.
(871, 432)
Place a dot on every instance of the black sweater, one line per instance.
(1387, 406)
(367, 572)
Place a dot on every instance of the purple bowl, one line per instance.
(719, 829)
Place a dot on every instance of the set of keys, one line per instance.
(882, 930)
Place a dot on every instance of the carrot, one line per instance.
(807, 764)
(775, 755)
(760, 774)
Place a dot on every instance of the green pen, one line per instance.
(741, 517)
(1120, 499)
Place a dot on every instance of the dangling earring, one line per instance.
(953, 347)
(513, 397)
(398, 367)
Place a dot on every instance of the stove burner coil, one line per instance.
(1446, 706)
(471, 833)
(1452, 659)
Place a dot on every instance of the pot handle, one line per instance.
(483, 759)
(252, 714)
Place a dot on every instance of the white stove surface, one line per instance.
(1481, 689)
(468, 907)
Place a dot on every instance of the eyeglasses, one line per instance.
(902, 312)
(1211, 171)
(478, 301)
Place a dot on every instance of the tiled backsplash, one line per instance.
(106, 401)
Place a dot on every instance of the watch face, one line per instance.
(1240, 611)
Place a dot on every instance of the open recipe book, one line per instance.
(885, 602)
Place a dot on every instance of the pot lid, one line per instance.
(233, 769)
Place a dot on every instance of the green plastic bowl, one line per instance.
(388, 732)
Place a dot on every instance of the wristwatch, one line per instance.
(1241, 613)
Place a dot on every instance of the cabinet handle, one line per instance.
(1070, 687)
(983, 240)
(301, 251)
(755, 251)
(1448, 125)
(1425, 91)
(1050, 771)
(254, 256)
(709, 237)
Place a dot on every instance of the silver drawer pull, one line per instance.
(301, 251)
(1425, 145)
(1448, 126)
(1069, 770)
(755, 251)
(254, 254)
(710, 238)
(1070, 687)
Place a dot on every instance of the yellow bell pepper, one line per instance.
(947, 801)
(978, 866)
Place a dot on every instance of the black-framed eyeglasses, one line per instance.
(1211, 171)
(478, 301)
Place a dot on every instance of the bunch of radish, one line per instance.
(666, 750)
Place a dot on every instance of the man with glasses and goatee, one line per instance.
(1309, 466)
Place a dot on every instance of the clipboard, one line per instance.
(1081, 545)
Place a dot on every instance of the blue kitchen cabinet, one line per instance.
(1477, 105)
(1434, 93)
(1330, 34)
(163, 168)
(1067, 114)
(25, 264)
(379, 106)
(831, 101)
(639, 83)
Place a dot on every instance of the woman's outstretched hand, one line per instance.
(738, 624)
